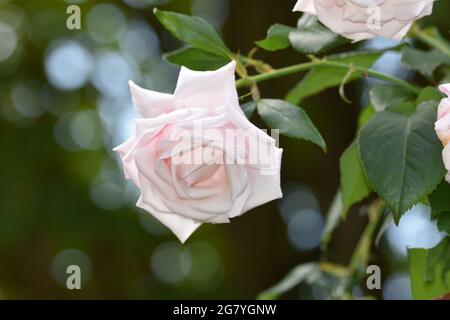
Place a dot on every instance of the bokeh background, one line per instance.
(64, 104)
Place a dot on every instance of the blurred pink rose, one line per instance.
(365, 19)
(188, 170)
(443, 126)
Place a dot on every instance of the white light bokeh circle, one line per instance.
(105, 23)
(140, 42)
(107, 195)
(397, 287)
(151, 225)
(112, 74)
(171, 262)
(416, 230)
(296, 197)
(68, 65)
(305, 229)
(26, 101)
(67, 258)
(85, 130)
(214, 11)
(8, 41)
(206, 269)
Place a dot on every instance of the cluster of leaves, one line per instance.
(396, 153)
(207, 51)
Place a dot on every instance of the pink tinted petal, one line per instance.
(210, 89)
(443, 129)
(305, 6)
(395, 31)
(200, 210)
(445, 88)
(444, 108)
(150, 104)
(266, 187)
(349, 17)
(181, 226)
(124, 148)
(410, 9)
(446, 156)
(182, 196)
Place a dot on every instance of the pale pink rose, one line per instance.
(188, 172)
(443, 126)
(365, 19)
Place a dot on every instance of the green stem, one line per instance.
(278, 73)
(361, 256)
(259, 65)
(434, 41)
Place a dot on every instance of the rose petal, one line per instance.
(181, 226)
(150, 104)
(305, 6)
(352, 18)
(445, 88)
(184, 195)
(266, 186)
(208, 89)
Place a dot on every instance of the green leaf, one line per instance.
(429, 271)
(438, 255)
(440, 199)
(196, 59)
(427, 94)
(302, 273)
(443, 222)
(194, 31)
(291, 120)
(402, 156)
(383, 97)
(324, 77)
(354, 184)
(365, 116)
(249, 108)
(423, 61)
(315, 38)
(277, 38)
(406, 108)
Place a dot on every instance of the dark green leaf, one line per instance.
(324, 77)
(402, 156)
(443, 222)
(383, 97)
(277, 38)
(436, 255)
(423, 61)
(354, 184)
(249, 108)
(196, 59)
(291, 120)
(406, 107)
(440, 199)
(366, 115)
(194, 31)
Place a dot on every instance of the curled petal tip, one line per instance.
(445, 88)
